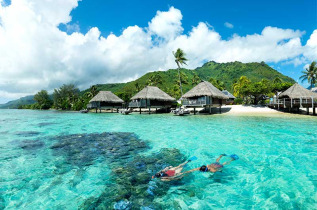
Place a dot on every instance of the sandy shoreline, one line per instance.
(248, 109)
(235, 110)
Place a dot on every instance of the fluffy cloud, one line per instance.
(35, 54)
(167, 25)
(311, 47)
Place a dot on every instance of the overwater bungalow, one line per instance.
(151, 97)
(204, 95)
(294, 98)
(231, 97)
(105, 100)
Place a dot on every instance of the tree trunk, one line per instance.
(255, 100)
(180, 81)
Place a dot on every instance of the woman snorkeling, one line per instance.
(172, 173)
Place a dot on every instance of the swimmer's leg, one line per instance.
(218, 159)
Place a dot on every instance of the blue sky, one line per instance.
(118, 41)
(248, 17)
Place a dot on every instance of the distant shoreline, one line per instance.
(228, 110)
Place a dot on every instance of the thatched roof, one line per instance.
(227, 93)
(107, 96)
(205, 89)
(297, 91)
(153, 93)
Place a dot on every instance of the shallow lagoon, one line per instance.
(277, 166)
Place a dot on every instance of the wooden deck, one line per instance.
(294, 104)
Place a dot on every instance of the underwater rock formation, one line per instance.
(27, 133)
(31, 144)
(131, 186)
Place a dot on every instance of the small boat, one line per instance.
(181, 111)
(84, 111)
(125, 111)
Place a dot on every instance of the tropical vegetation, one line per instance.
(249, 92)
(310, 74)
(221, 75)
(180, 60)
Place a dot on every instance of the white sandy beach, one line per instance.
(247, 109)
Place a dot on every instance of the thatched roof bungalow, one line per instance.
(297, 96)
(231, 97)
(204, 95)
(227, 93)
(151, 97)
(105, 100)
(296, 92)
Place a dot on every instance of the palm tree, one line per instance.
(196, 79)
(155, 79)
(137, 86)
(310, 74)
(277, 80)
(93, 90)
(180, 60)
(240, 88)
(217, 83)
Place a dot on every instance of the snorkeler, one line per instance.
(214, 167)
(172, 173)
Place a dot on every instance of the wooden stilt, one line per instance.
(149, 110)
(307, 110)
(194, 111)
(140, 110)
(312, 105)
(117, 110)
(314, 111)
(284, 104)
(155, 110)
(209, 109)
(96, 110)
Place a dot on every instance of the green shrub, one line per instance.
(238, 101)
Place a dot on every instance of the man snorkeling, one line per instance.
(214, 167)
(172, 173)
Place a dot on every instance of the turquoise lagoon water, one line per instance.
(276, 170)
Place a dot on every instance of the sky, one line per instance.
(45, 43)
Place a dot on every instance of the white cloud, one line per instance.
(311, 47)
(71, 28)
(167, 25)
(35, 54)
(228, 25)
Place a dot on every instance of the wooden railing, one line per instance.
(137, 104)
(194, 102)
(288, 102)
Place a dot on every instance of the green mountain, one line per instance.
(16, 103)
(228, 73)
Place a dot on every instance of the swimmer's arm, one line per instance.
(190, 171)
(181, 165)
